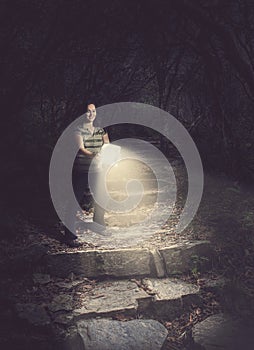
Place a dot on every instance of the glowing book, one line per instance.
(109, 154)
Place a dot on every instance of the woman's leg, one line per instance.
(99, 188)
(80, 183)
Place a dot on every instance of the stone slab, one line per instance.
(162, 298)
(96, 263)
(106, 334)
(109, 298)
(171, 297)
(185, 257)
(222, 332)
(130, 262)
(157, 298)
(166, 288)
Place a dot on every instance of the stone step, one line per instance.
(111, 314)
(130, 262)
(158, 298)
(79, 299)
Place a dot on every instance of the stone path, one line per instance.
(101, 319)
(131, 284)
(134, 282)
(136, 287)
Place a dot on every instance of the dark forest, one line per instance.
(191, 58)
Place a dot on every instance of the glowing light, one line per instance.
(109, 154)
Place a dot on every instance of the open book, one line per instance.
(109, 154)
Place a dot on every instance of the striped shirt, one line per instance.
(92, 142)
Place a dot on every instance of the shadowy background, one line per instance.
(191, 58)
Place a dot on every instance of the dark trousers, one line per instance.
(80, 186)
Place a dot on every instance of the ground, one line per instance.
(225, 218)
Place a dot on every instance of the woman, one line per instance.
(90, 140)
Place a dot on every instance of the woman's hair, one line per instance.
(87, 103)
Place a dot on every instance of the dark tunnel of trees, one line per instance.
(194, 59)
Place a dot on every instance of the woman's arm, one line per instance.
(105, 138)
(80, 144)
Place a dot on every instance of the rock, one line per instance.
(72, 341)
(184, 257)
(104, 334)
(95, 263)
(62, 302)
(111, 298)
(34, 314)
(167, 288)
(177, 259)
(159, 298)
(222, 332)
(216, 284)
(171, 297)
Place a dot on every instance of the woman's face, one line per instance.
(91, 113)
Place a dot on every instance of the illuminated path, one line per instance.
(128, 229)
